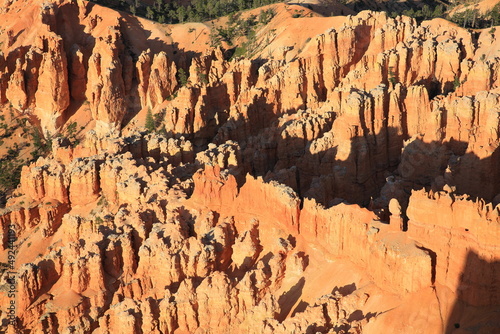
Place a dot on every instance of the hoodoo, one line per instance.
(270, 170)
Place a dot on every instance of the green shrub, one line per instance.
(10, 175)
(456, 82)
(265, 16)
(150, 122)
(392, 77)
(71, 134)
(240, 51)
(102, 201)
(42, 145)
(172, 97)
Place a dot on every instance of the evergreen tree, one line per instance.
(149, 124)
(158, 5)
(426, 12)
(150, 14)
(182, 76)
(494, 15)
(438, 11)
(181, 13)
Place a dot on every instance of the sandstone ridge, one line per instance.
(350, 186)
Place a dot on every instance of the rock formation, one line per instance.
(350, 186)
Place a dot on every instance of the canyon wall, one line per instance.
(334, 189)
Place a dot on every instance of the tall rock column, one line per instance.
(52, 96)
(106, 88)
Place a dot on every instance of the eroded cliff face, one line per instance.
(349, 187)
(63, 54)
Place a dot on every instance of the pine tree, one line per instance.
(438, 11)
(426, 12)
(181, 14)
(182, 76)
(149, 124)
(494, 15)
(150, 14)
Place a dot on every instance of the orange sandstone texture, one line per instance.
(349, 186)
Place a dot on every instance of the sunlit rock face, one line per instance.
(347, 184)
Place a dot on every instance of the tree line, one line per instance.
(173, 12)
(469, 18)
(472, 18)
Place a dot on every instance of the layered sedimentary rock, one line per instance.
(333, 191)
